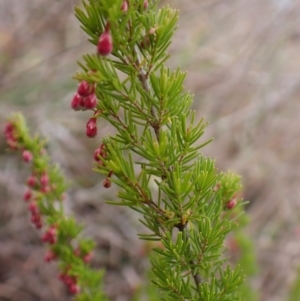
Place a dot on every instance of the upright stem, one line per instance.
(143, 77)
(196, 276)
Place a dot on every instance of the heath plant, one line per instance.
(152, 157)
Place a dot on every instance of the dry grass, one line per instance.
(243, 63)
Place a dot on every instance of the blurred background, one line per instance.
(243, 63)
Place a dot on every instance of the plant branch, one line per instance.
(143, 77)
(196, 276)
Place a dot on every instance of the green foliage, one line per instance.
(154, 158)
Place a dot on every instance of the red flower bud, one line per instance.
(27, 156)
(231, 204)
(8, 128)
(91, 128)
(106, 183)
(88, 257)
(31, 181)
(33, 208)
(45, 189)
(35, 218)
(49, 256)
(90, 102)
(27, 195)
(74, 289)
(85, 88)
(39, 224)
(50, 235)
(124, 7)
(105, 44)
(75, 104)
(44, 180)
(146, 3)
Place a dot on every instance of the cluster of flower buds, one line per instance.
(86, 257)
(84, 98)
(50, 256)
(50, 236)
(36, 217)
(41, 184)
(100, 152)
(11, 139)
(70, 282)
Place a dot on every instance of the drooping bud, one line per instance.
(75, 104)
(231, 204)
(105, 43)
(74, 289)
(90, 102)
(85, 88)
(33, 208)
(45, 189)
(27, 195)
(88, 257)
(124, 7)
(49, 256)
(27, 156)
(50, 235)
(11, 140)
(8, 128)
(44, 180)
(106, 183)
(91, 128)
(82, 104)
(97, 153)
(31, 181)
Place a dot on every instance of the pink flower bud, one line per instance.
(91, 128)
(124, 7)
(45, 189)
(74, 289)
(105, 44)
(82, 103)
(10, 136)
(33, 208)
(231, 204)
(90, 102)
(39, 224)
(49, 256)
(88, 257)
(31, 181)
(106, 183)
(75, 104)
(85, 88)
(44, 180)
(27, 195)
(35, 218)
(8, 128)
(146, 4)
(50, 235)
(27, 156)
